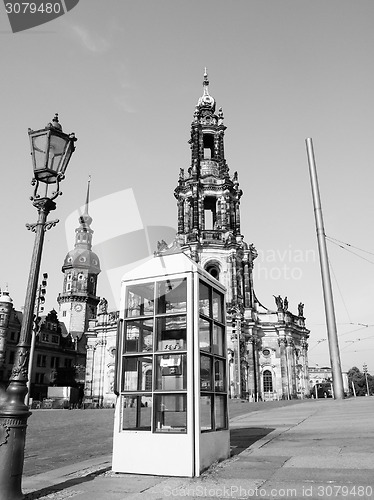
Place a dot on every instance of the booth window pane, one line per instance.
(171, 372)
(145, 412)
(205, 373)
(171, 333)
(204, 299)
(137, 412)
(204, 334)
(170, 413)
(206, 423)
(219, 376)
(135, 373)
(218, 340)
(220, 412)
(139, 335)
(217, 306)
(172, 296)
(140, 300)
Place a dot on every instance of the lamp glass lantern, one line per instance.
(51, 150)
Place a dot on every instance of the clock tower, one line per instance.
(78, 300)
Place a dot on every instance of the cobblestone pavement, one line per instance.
(56, 438)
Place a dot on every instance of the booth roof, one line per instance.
(165, 265)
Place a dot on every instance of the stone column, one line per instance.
(290, 349)
(187, 216)
(284, 368)
(232, 215)
(101, 389)
(251, 376)
(240, 279)
(180, 215)
(201, 212)
(219, 214)
(195, 208)
(223, 213)
(90, 367)
(246, 284)
(237, 217)
(233, 280)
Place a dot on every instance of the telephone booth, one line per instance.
(171, 371)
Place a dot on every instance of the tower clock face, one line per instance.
(78, 307)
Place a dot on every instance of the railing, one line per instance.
(209, 167)
(211, 235)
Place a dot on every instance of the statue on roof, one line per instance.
(301, 309)
(103, 306)
(278, 302)
(162, 245)
(285, 304)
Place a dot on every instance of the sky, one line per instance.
(125, 76)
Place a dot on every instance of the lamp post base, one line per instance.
(12, 448)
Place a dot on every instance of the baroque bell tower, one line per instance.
(208, 201)
(78, 301)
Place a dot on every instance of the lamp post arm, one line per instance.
(17, 388)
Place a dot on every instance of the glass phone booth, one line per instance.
(171, 377)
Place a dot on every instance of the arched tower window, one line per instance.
(267, 378)
(208, 141)
(213, 269)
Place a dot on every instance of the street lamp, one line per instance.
(365, 368)
(51, 150)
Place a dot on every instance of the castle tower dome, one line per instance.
(78, 301)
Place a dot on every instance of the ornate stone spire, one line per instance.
(85, 219)
(206, 100)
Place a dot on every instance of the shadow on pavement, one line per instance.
(240, 440)
(51, 490)
(243, 438)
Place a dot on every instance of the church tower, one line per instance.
(78, 301)
(208, 200)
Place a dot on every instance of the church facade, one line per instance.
(267, 348)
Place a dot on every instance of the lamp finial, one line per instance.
(56, 123)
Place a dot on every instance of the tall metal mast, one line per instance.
(326, 280)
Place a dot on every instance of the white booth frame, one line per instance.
(168, 453)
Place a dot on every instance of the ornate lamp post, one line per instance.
(51, 150)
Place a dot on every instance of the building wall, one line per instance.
(100, 369)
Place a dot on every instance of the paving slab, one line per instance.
(303, 451)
